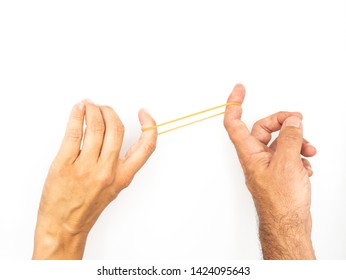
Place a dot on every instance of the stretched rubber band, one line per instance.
(189, 116)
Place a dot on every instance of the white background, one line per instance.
(174, 58)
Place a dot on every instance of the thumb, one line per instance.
(139, 153)
(290, 139)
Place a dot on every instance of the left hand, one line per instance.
(82, 181)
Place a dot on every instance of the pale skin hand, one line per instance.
(86, 175)
(277, 177)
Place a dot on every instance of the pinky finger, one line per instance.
(307, 166)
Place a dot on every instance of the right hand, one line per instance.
(277, 177)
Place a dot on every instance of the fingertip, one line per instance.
(147, 122)
(86, 100)
(299, 115)
(234, 112)
(145, 118)
(237, 94)
(310, 150)
(307, 166)
(240, 88)
(293, 121)
(310, 172)
(77, 111)
(80, 106)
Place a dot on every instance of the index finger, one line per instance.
(263, 128)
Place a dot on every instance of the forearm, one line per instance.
(285, 238)
(53, 242)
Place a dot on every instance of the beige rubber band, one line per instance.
(189, 116)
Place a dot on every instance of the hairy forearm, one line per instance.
(285, 237)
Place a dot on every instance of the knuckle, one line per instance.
(120, 129)
(257, 124)
(105, 177)
(226, 122)
(98, 126)
(74, 134)
(285, 113)
(78, 117)
(108, 108)
(150, 147)
(125, 181)
(230, 125)
(290, 137)
(113, 193)
(81, 173)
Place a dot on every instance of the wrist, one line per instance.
(286, 237)
(54, 242)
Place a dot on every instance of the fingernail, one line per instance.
(293, 121)
(80, 106)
